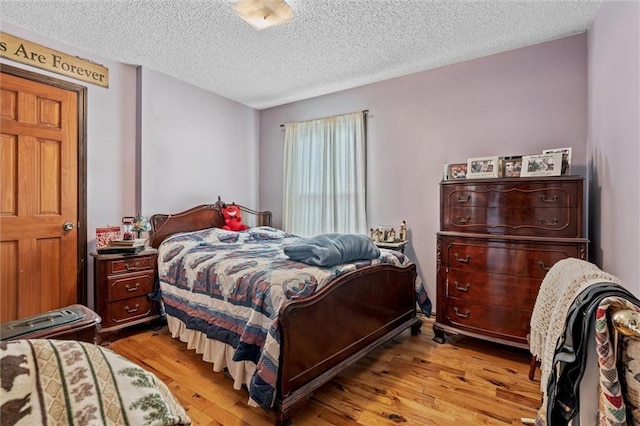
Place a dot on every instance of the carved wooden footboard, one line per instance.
(324, 334)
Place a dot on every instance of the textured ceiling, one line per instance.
(329, 46)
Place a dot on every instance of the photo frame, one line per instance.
(566, 158)
(106, 234)
(483, 167)
(542, 165)
(456, 171)
(512, 166)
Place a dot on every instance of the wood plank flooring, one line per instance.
(411, 380)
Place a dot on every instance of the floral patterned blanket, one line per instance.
(64, 382)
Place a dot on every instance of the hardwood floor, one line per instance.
(412, 380)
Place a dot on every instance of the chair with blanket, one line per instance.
(585, 330)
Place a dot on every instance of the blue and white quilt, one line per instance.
(231, 286)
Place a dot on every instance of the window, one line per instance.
(324, 176)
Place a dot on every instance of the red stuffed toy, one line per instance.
(233, 218)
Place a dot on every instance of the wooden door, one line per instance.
(39, 200)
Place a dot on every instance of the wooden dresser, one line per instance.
(123, 284)
(497, 240)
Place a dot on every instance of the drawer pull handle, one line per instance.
(543, 266)
(465, 288)
(129, 268)
(544, 221)
(129, 310)
(131, 289)
(461, 260)
(463, 219)
(461, 315)
(544, 198)
(462, 199)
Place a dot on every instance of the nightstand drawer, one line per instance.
(130, 265)
(127, 286)
(129, 309)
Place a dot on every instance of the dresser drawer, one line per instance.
(498, 321)
(507, 258)
(502, 290)
(538, 221)
(560, 194)
(129, 309)
(130, 265)
(528, 208)
(130, 285)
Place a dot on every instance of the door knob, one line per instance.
(68, 226)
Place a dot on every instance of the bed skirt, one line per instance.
(215, 352)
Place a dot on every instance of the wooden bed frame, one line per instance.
(324, 334)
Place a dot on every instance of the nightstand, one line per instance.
(122, 286)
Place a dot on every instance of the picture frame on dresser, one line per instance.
(456, 171)
(566, 158)
(549, 164)
(483, 167)
(512, 166)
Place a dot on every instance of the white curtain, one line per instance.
(324, 176)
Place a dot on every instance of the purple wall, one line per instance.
(517, 102)
(614, 140)
(196, 145)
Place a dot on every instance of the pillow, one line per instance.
(333, 249)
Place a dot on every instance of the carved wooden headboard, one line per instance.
(200, 217)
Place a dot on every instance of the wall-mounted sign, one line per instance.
(33, 54)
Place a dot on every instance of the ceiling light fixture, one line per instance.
(261, 14)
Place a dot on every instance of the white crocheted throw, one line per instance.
(562, 284)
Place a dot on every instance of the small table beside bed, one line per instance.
(281, 327)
